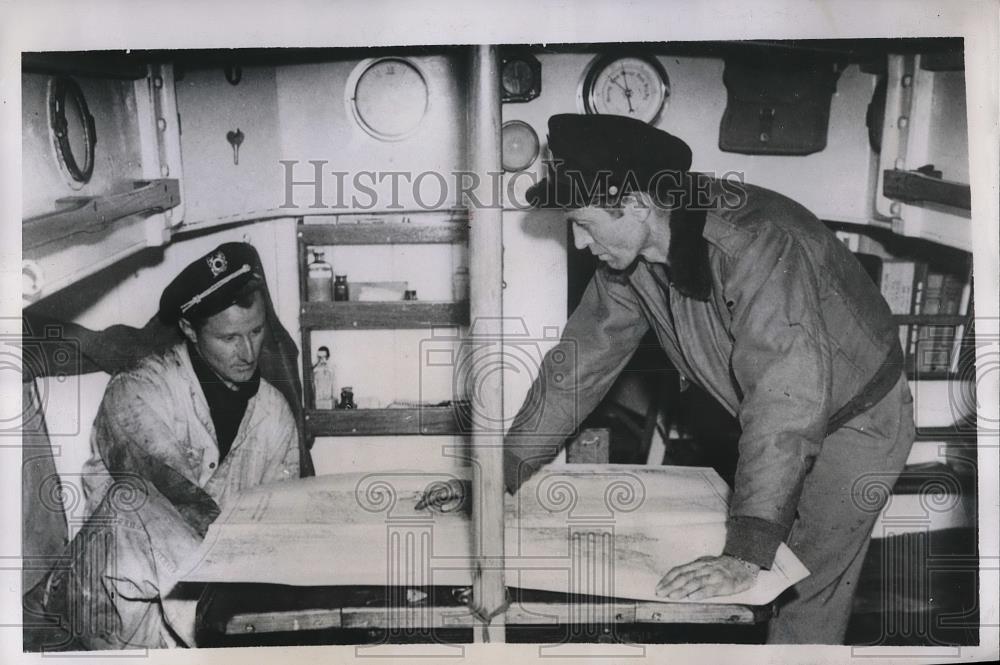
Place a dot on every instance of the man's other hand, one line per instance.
(706, 577)
(445, 497)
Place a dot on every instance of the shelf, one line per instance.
(956, 433)
(931, 319)
(411, 314)
(388, 233)
(914, 375)
(387, 422)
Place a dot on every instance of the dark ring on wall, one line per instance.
(63, 90)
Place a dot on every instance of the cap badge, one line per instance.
(217, 264)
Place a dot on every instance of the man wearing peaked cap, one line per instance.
(210, 284)
(184, 430)
(754, 299)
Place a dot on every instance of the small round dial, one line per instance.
(517, 77)
(632, 86)
(388, 97)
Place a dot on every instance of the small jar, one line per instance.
(340, 288)
(347, 398)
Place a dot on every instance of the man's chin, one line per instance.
(241, 376)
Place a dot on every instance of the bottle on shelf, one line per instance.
(340, 288)
(347, 398)
(319, 283)
(323, 389)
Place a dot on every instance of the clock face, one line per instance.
(625, 85)
(388, 97)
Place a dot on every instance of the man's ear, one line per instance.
(188, 330)
(637, 205)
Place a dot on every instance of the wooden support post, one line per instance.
(486, 302)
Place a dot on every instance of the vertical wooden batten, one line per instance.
(486, 316)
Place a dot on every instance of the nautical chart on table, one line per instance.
(608, 530)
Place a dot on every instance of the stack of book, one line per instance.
(930, 305)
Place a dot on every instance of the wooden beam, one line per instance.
(424, 617)
(83, 216)
(914, 187)
(486, 279)
(388, 233)
(355, 315)
(108, 64)
(426, 420)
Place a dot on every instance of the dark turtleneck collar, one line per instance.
(687, 255)
(226, 405)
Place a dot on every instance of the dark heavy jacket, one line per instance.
(765, 309)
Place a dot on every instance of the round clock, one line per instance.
(388, 97)
(632, 86)
(519, 145)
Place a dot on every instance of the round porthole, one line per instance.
(72, 129)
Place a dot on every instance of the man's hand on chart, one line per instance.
(445, 496)
(706, 577)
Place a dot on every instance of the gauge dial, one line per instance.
(632, 86)
(388, 97)
(519, 145)
(520, 79)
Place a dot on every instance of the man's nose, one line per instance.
(581, 238)
(245, 350)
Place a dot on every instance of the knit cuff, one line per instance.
(753, 539)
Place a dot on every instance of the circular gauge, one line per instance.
(388, 97)
(72, 129)
(632, 86)
(519, 145)
(517, 77)
(520, 79)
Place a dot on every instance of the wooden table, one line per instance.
(263, 609)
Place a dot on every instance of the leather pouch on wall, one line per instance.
(777, 107)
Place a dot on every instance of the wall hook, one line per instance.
(236, 140)
(234, 74)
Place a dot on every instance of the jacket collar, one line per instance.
(687, 256)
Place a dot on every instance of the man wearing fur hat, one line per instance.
(753, 299)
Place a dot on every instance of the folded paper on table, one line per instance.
(603, 530)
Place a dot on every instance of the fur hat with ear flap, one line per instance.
(598, 158)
